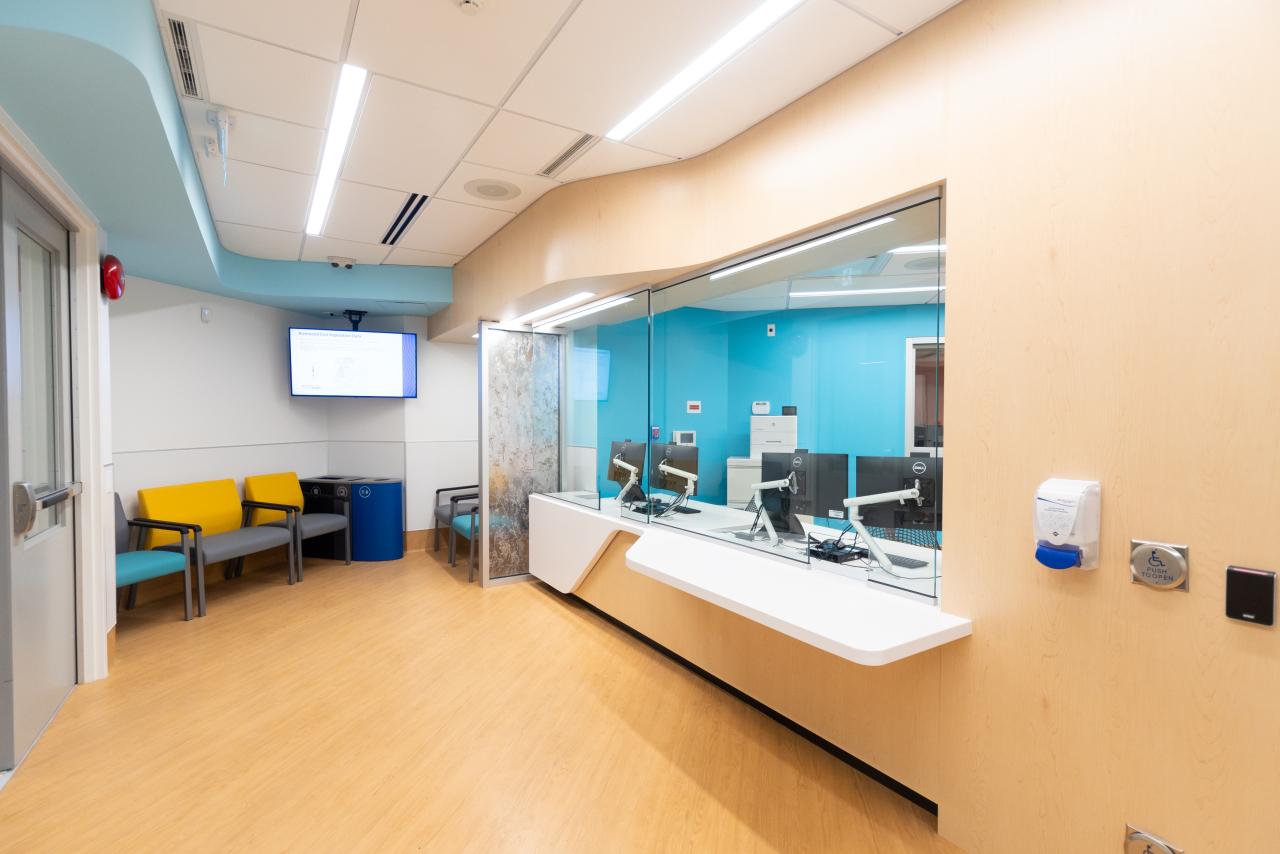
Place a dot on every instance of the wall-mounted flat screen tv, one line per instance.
(342, 363)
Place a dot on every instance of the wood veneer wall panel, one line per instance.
(885, 716)
(1111, 177)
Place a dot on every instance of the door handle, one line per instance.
(26, 504)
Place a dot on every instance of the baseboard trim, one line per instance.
(809, 735)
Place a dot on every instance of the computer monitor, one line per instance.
(631, 453)
(890, 474)
(821, 486)
(683, 457)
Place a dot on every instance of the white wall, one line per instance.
(199, 401)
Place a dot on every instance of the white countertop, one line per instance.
(848, 617)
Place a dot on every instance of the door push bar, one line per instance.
(26, 504)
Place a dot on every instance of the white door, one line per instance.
(37, 570)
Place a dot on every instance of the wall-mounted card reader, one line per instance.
(1067, 522)
(1251, 595)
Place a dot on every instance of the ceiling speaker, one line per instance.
(491, 189)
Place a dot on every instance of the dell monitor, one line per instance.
(890, 474)
(683, 457)
(821, 484)
(631, 453)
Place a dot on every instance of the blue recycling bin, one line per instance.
(377, 518)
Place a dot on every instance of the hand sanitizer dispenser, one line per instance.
(1068, 517)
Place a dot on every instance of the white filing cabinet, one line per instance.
(773, 433)
(741, 474)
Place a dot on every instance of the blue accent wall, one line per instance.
(844, 368)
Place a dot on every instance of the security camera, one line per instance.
(336, 261)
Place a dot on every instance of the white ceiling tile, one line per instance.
(418, 258)
(249, 75)
(363, 213)
(434, 44)
(902, 15)
(613, 54)
(311, 26)
(257, 195)
(410, 138)
(520, 144)
(270, 142)
(260, 242)
(320, 248)
(530, 187)
(607, 156)
(773, 70)
(453, 228)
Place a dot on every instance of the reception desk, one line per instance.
(845, 616)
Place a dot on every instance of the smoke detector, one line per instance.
(469, 7)
(491, 189)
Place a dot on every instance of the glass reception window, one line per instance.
(786, 384)
(604, 398)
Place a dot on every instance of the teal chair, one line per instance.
(467, 524)
(134, 567)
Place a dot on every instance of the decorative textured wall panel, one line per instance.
(520, 439)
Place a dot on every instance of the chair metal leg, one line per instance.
(200, 581)
(435, 526)
(133, 598)
(297, 553)
(471, 558)
(348, 541)
(453, 547)
(186, 591)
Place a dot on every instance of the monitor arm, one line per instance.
(632, 476)
(689, 479)
(788, 482)
(902, 496)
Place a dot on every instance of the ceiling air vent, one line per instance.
(408, 213)
(184, 59)
(570, 154)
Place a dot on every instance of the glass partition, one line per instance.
(604, 399)
(791, 403)
(786, 384)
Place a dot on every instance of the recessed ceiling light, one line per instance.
(345, 104)
(869, 292)
(551, 308)
(491, 189)
(802, 247)
(748, 29)
(583, 312)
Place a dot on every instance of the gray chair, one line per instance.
(451, 503)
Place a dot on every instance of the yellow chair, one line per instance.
(283, 488)
(213, 511)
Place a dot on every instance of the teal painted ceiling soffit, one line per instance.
(87, 81)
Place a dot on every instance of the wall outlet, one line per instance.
(771, 330)
(204, 314)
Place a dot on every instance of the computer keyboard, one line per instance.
(906, 562)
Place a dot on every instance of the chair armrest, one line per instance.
(164, 525)
(471, 496)
(266, 505)
(453, 489)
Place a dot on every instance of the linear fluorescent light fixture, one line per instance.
(558, 305)
(583, 312)
(748, 30)
(345, 104)
(869, 292)
(802, 247)
(922, 249)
